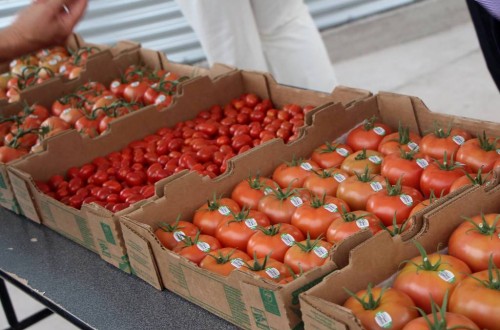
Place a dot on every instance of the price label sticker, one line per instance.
(237, 262)
(331, 207)
(306, 166)
(288, 239)
(224, 210)
(251, 223)
(458, 139)
(498, 151)
(321, 252)
(379, 130)
(161, 98)
(342, 151)
(362, 223)
(446, 276)
(339, 177)
(63, 69)
(375, 159)
(179, 235)
(115, 84)
(413, 146)
(53, 61)
(267, 191)
(203, 246)
(406, 199)
(273, 272)
(296, 201)
(376, 186)
(383, 320)
(422, 162)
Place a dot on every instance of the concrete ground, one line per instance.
(428, 49)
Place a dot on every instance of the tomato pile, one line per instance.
(377, 179)
(203, 144)
(90, 109)
(35, 68)
(459, 289)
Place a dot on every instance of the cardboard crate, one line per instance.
(267, 305)
(377, 259)
(93, 226)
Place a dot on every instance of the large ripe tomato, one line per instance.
(134, 92)
(435, 144)
(423, 204)
(171, 234)
(235, 230)
(279, 205)
(274, 241)
(331, 154)
(197, 247)
(362, 159)
(479, 153)
(208, 216)
(267, 268)
(430, 276)
(356, 190)
(404, 166)
(248, 192)
(224, 261)
(314, 217)
(475, 240)
(402, 140)
(478, 298)
(294, 173)
(367, 135)
(379, 308)
(394, 202)
(438, 321)
(306, 255)
(325, 181)
(350, 223)
(476, 179)
(439, 176)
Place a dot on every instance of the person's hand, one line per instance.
(44, 23)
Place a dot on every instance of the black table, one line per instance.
(76, 284)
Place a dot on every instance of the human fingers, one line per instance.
(74, 12)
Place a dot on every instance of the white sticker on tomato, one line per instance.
(413, 146)
(179, 235)
(161, 98)
(339, 177)
(62, 69)
(251, 223)
(446, 276)
(331, 207)
(135, 84)
(65, 111)
(321, 252)
(383, 320)
(273, 272)
(376, 186)
(458, 139)
(422, 162)
(406, 199)
(342, 151)
(154, 85)
(203, 246)
(267, 191)
(362, 223)
(53, 62)
(296, 201)
(237, 262)
(13, 63)
(57, 57)
(375, 159)
(379, 130)
(115, 84)
(288, 239)
(306, 166)
(224, 210)
(498, 151)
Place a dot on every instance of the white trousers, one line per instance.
(277, 36)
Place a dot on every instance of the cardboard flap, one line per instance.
(317, 314)
(396, 108)
(219, 69)
(341, 251)
(348, 95)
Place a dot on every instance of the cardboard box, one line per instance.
(267, 305)
(93, 226)
(379, 258)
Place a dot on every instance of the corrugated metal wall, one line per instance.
(158, 24)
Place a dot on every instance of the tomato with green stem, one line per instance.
(171, 234)
(267, 268)
(367, 135)
(248, 192)
(404, 166)
(224, 261)
(402, 140)
(294, 173)
(430, 275)
(476, 240)
(279, 205)
(208, 216)
(479, 153)
(306, 255)
(360, 160)
(274, 240)
(396, 200)
(356, 189)
(349, 223)
(197, 247)
(423, 204)
(440, 175)
(478, 297)
(397, 228)
(381, 308)
(235, 230)
(314, 217)
(331, 154)
(325, 181)
(440, 140)
(470, 179)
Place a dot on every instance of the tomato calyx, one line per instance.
(483, 227)
(351, 216)
(370, 123)
(271, 230)
(426, 265)
(214, 204)
(239, 216)
(65, 100)
(170, 228)
(365, 176)
(362, 155)
(493, 281)
(329, 148)
(295, 162)
(441, 133)
(371, 303)
(448, 164)
(190, 241)
(81, 52)
(317, 202)
(403, 135)
(438, 315)
(281, 194)
(479, 180)
(309, 245)
(257, 266)
(221, 258)
(485, 144)
(396, 228)
(255, 182)
(41, 131)
(324, 173)
(408, 155)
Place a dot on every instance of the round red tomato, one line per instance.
(435, 144)
(294, 174)
(479, 153)
(208, 216)
(267, 268)
(224, 261)
(367, 135)
(356, 189)
(402, 140)
(235, 230)
(306, 255)
(274, 241)
(361, 160)
(280, 205)
(404, 166)
(331, 154)
(171, 234)
(350, 223)
(248, 192)
(439, 176)
(450, 321)
(325, 182)
(197, 247)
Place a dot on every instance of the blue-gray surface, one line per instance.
(88, 288)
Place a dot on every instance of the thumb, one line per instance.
(75, 10)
